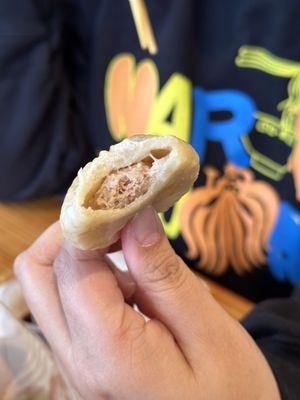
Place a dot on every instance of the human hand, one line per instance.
(294, 159)
(189, 349)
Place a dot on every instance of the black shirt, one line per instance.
(73, 80)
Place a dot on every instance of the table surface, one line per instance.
(22, 223)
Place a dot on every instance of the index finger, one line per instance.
(33, 269)
(47, 246)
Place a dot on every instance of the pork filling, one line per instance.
(124, 185)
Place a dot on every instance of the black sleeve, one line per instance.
(275, 327)
(41, 145)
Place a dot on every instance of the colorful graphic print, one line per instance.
(135, 103)
(229, 221)
(130, 94)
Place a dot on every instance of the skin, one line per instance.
(189, 349)
(294, 159)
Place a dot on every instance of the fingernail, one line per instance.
(146, 227)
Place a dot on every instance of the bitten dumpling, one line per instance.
(139, 171)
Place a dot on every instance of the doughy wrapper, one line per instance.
(90, 229)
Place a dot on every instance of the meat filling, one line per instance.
(121, 187)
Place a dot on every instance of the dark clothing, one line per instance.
(73, 80)
(275, 327)
(217, 82)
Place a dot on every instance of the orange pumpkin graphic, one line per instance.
(130, 90)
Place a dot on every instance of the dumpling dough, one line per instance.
(135, 173)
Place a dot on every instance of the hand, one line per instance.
(190, 349)
(294, 159)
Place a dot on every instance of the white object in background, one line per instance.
(118, 260)
(11, 295)
(28, 370)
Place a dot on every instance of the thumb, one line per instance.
(166, 289)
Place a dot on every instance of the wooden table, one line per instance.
(22, 223)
